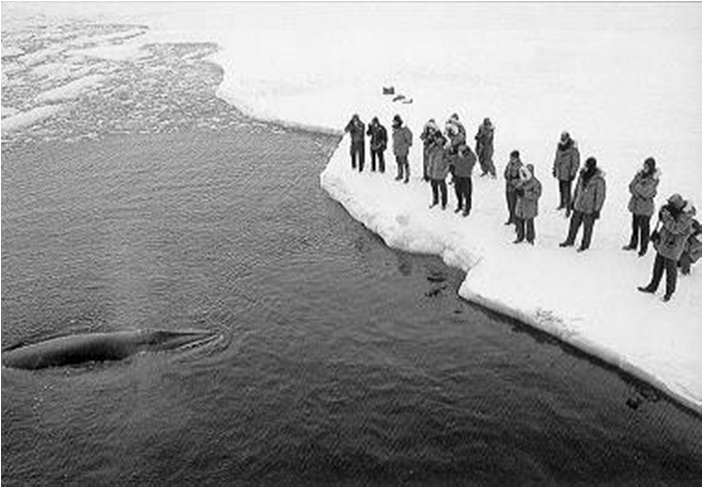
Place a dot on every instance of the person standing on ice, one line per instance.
(565, 169)
(675, 219)
(511, 182)
(590, 192)
(427, 137)
(357, 130)
(484, 147)
(401, 143)
(462, 163)
(378, 143)
(456, 133)
(438, 170)
(643, 189)
(528, 194)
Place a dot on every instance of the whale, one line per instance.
(100, 347)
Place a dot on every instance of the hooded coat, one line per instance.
(643, 189)
(676, 228)
(590, 195)
(529, 192)
(512, 174)
(484, 147)
(356, 129)
(378, 137)
(401, 140)
(437, 160)
(567, 161)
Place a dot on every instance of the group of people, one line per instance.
(676, 236)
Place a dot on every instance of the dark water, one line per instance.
(342, 362)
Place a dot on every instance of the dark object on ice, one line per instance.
(357, 129)
(432, 293)
(407, 102)
(675, 222)
(634, 403)
(587, 203)
(398, 98)
(99, 347)
(378, 143)
(390, 90)
(565, 169)
(484, 147)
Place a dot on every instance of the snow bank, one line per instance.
(588, 300)
(71, 90)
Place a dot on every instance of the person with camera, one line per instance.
(378, 143)
(675, 222)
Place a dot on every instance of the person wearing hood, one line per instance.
(438, 170)
(462, 164)
(590, 192)
(378, 143)
(401, 143)
(565, 168)
(357, 130)
(643, 189)
(693, 249)
(675, 221)
(511, 175)
(456, 132)
(528, 194)
(430, 130)
(484, 147)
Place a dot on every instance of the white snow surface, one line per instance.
(588, 300)
(622, 78)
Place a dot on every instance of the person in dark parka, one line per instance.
(511, 175)
(675, 220)
(528, 194)
(357, 129)
(462, 164)
(378, 143)
(590, 192)
(438, 170)
(430, 130)
(401, 143)
(484, 147)
(643, 189)
(565, 169)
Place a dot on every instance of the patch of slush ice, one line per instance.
(29, 117)
(71, 90)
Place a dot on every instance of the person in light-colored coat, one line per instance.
(528, 194)
(401, 143)
(437, 170)
(643, 189)
(590, 193)
(675, 221)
